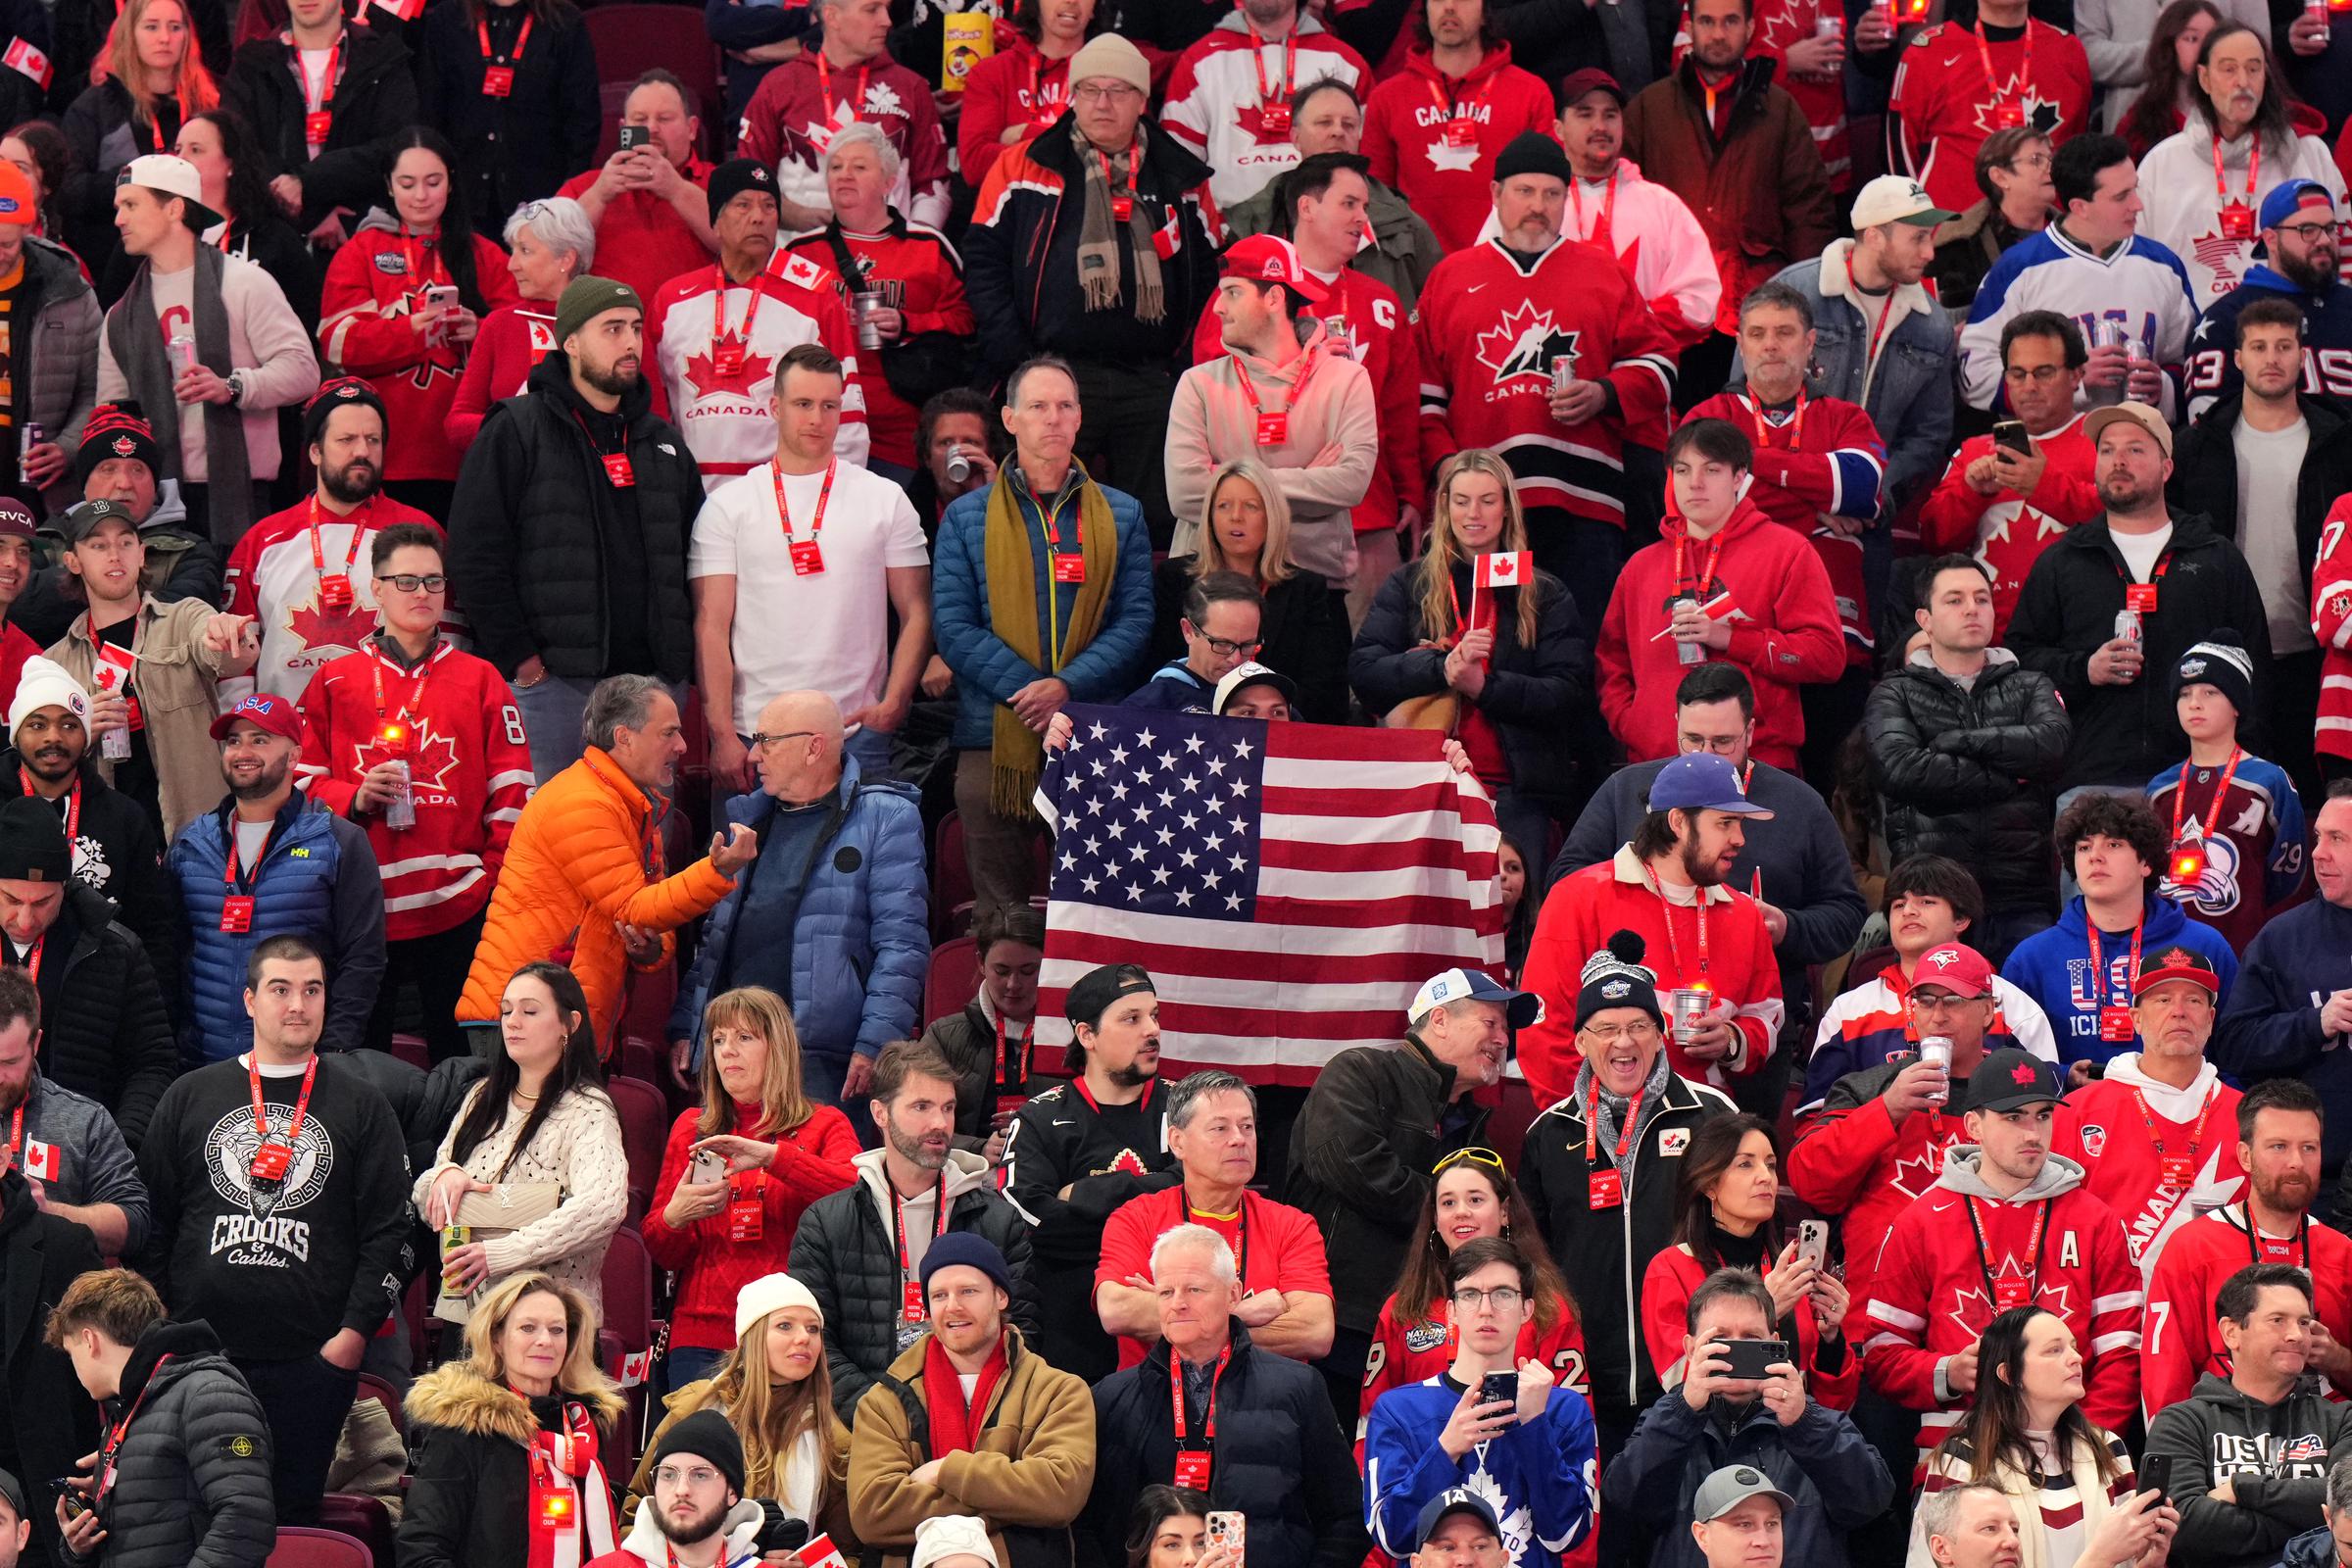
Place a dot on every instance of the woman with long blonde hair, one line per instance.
(144, 84)
(737, 1173)
(1246, 529)
(776, 1391)
(1472, 640)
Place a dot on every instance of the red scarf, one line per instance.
(952, 1420)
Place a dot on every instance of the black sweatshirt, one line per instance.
(281, 1269)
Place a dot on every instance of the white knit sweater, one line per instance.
(579, 1148)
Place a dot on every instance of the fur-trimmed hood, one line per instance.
(459, 1397)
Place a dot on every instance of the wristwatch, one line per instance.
(236, 389)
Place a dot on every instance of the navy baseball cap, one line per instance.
(1701, 781)
(1523, 1007)
(1454, 1500)
(2291, 197)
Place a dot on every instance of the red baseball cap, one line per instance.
(1956, 967)
(265, 711)
(1264, 258)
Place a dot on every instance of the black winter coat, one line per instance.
(373, 103)
(529, 522)
(844, 1251)
(2205, 480)
(81, 27)
(103, 136)
(1375, 1122)
(1604, 1252)
(1304, 629)
(1968, 772)
(1278, 1457)
(49, 1421)
(192, 1477)
(1530, 693)
(1020, 263)
(122, 859)
(521, 147)
(105, 1033)
(2126, 734)
(469, 1487)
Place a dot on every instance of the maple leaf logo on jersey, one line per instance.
(1446, 159)
(432, 756)
(2223, 256)
(1914, 1175)
(319, 628)
(1524, 344)
(709, 381)
(2042, 114)
(881, 98)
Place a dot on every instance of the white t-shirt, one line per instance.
(2140, 551)
(315, 85)
(2270, 468)
(828, 632)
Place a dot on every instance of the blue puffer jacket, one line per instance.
(319, 879)
(860, 939)
(986, 671)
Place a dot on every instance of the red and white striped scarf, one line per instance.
(572, 1520)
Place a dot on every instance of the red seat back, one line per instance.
(628, 1281)
(301, 1548)
(633, 38)
(954, 979)
(644, 1131)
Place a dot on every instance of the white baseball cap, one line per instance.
(1523, 1007)
(168, 176)
(1896, 199)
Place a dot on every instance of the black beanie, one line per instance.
(2218, 659)
(705, 1435)
(343, 392)
(1614, 978)
(117, 430)
(733, 177)
(1532, 152)
(32, 841)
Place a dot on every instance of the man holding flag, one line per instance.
(1724, 582)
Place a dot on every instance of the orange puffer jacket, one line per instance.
(584, 860)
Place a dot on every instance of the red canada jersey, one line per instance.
(274, 576)
(924, 270)
(2007, 531)
(469, 774)
(1947, 102)
(2144, 1148)
(2332, 624)
(1434, 140)
(2180, 1343)
(1854, 1160)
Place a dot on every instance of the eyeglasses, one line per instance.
(1472, 1155)
(1104, 92)
(408, 582)
(759, 741)
(2030, 161)
(1503, 1298)
(669, 1475)
(2033, 372)
(1939, 1000)
(1231, 650)
(1640, 1032)
(2306, 232)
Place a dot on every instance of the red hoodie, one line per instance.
(1451, 183)
(1014, 87)
(1770, 586)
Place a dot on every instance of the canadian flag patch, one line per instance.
(2095, 1141)
(1506, 568)
(24, 59)
(40, 1160)
(806, 272)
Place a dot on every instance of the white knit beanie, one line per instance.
(44, 684)
(765, 1294)
(950, 1535)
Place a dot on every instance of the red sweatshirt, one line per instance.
(1582, 913)
(1856, 1161)
(375, 281)
(812, 1160)
(1666, 1291)
(2182, 1343)
(1785, 632)
(513, 340)
(2006, 531)
(2113, 1126)
(1930, 1299)
(1447, 176)
(1014, 87)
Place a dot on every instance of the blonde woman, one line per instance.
(144, 86)
(779, 1153)
(1245, 528)
(511, 1434)
(776, 1391)
(1516, 659)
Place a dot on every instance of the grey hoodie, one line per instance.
(2274, 1457)
(2058, 1175)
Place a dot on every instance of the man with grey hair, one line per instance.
(583, 869)
(1285, 1277)
(1253, 1431)
(908, 282)
(1375, 1123)
(834, 921)
(848, 78)
(1969, 1526)
(2329, 1545)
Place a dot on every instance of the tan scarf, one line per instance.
(1099, 241)
(1009, 555)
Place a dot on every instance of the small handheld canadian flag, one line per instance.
(40, 1160)
(818, 1551)
(25, 58)
(405, 9)
(636, 1368)
(1506, 568)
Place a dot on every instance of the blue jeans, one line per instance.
(687, 1364)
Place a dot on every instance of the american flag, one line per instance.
(1290, 886)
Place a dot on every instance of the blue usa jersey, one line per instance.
(1536, 1477)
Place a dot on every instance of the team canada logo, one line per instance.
(2042, 114)
(2023, 1073)
(1523, 345)
(125, 447)
(1672, 1140)
(2095, 1141)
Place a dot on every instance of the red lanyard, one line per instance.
(2196, 1139)
(15, 1138)
(1298, 388)
(72, 806)
(898, 1224)
(326, 86)
(228, 872)
(1135, 159)
(1257, 63)
(2258, 1246)
(719, 306)
(302, 1103)
(2041, 1216)
(1209, 1417)
(1602, 231)
(416, 261)
(113, 1438)
(1625, 1132)
(351, 557)
(1884, 310)
(408, 709)
(1796, 425)
(1674, 945)
(2024, 80)
(1696, 590)
(824, 493)
(2213, 819)
(1037, 92)
(2221, 184)
(824, 86)
(522, 42)
(1004, 1060)
(32, 958)
(2098, 971)
(1454, 107)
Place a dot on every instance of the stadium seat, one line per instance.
(951, 879)
(644, 1134)
(374, 1388)
(953, 981)
(633, 38)
(365, 1519)
(301, 1548)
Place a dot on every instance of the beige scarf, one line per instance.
(1097, 237)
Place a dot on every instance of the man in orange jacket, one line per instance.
(584, 870)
